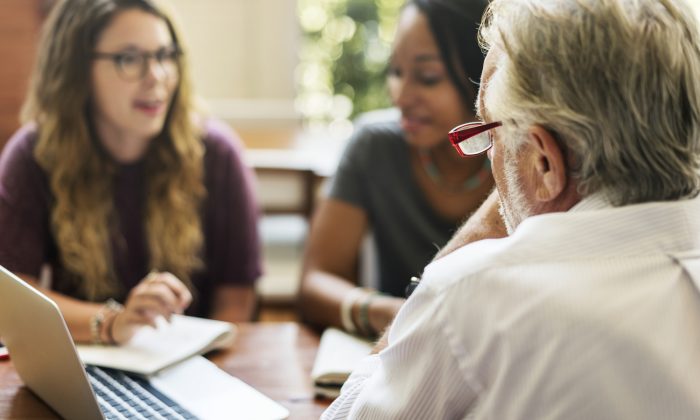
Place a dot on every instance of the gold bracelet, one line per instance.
(96, 326)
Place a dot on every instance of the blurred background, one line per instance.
(288, 75)
(271, 67)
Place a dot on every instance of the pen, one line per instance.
(412, 286)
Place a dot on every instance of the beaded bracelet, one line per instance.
(96, 326)
(346, 309)
(111, 307)
(365, 325)
(115, 308)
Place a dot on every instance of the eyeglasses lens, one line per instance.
(135, 66)
(476, 144)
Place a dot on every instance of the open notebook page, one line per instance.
(151, 350)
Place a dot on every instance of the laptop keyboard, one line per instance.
(122, 396)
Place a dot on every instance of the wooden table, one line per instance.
(274, 358)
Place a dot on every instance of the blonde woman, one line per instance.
(139, 207)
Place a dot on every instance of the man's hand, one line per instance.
(485, 223)
(382, 343)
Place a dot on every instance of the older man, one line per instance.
(590, 308)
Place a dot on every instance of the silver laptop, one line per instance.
(43, 353)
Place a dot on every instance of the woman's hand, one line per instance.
(158, 294)
(382, 310)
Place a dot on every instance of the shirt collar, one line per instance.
(595, 201)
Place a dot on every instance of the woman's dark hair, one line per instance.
(455, 26)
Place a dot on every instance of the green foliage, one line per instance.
(343, 58)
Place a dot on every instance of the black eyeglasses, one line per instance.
(472, 139)
(134, 65)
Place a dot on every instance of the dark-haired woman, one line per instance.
(401, 180)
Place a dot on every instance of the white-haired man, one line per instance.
(590, 307)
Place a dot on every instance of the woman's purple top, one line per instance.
(229, 219)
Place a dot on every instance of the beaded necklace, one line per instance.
(469, 184)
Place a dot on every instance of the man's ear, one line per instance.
(549, 168)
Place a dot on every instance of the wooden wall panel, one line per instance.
(20, 22)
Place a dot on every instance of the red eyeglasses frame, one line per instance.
(464, 132)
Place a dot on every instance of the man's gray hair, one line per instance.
(616, 81)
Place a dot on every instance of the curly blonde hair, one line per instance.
(81, 174)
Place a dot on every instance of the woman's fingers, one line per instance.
(150, 306)
(181, 293)
(179, 289)
(139, 319)
(158, 295)
(158, 292)
(155, 296)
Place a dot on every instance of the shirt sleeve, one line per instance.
(232, 238)
(416, 376)
(24, 206)
(352, 175)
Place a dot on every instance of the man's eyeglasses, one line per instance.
(472, 139)
(133, 65)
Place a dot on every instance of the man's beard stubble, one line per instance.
(513, 208)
